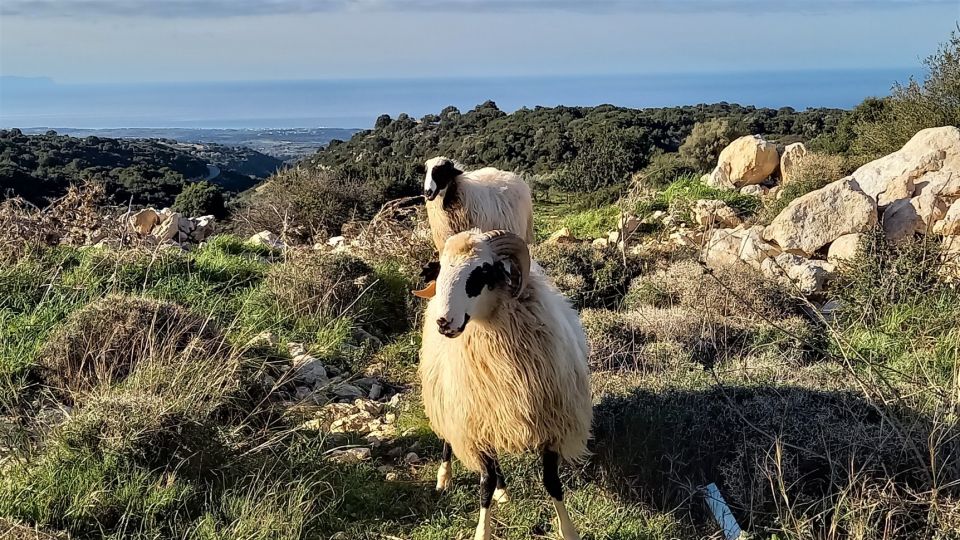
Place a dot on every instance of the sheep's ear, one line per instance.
(427, 292)
(430, 271)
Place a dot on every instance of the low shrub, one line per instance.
(590, 277)
(105, 341)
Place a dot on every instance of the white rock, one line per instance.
(844, 248)
(790, 160)
(336, 241)
(893, 177)
(709, 213)
(168, 228)
(268, 239)
(809, 276)
(203, 228)
(814, 220)
(727, 247)
(601, 242)
(950, 224)
(562, 236)
(745, 161)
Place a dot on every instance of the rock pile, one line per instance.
(914, 191)
(169, 227)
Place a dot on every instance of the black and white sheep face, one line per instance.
(440, 172)
(465, 287)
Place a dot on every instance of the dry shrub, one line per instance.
(303, 203)
(653, 337)
(104, 342)
(77, 218)
(589, 277)
(400, 233)
(325, 286)
(728, 292)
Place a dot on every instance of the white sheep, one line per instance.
(503, 365)
(488, 199)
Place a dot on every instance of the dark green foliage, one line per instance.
(664, 169)
(146, 171)
(916, 105)
(549, 140)
(705, 142)
(588, 276)
(200, 199)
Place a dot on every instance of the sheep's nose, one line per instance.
(443, 324)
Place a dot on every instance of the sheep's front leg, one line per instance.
(488, 483)
(551, 481)
(444, 473)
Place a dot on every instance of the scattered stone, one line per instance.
(814, 220)
(336, 241)
(395, 452)
(168, 228)
(727, 247)
(268, 239)
(386, 468)
(613, 238)
(302, 393)
(900, 221)
(347, 390)
(790, 161)
(629, 224)
(309, 370)
(950, 224)
(264, 339)
(755, 190)
(601, 243)
(411, 458)
(202, 228)
(375, 390)
(710, 213)
(391, 477)
(808, 275)
(563, 236)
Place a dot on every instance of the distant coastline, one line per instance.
(26, 102)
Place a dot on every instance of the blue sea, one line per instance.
(30, 102)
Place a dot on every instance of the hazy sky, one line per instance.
(193, 40)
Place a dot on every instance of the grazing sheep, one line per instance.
(488, 199)
(503, 365)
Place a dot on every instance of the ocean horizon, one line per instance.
(356, 103)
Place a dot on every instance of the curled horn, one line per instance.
(507, 245)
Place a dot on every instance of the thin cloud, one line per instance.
(240, 8)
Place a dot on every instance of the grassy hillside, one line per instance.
(152, 393)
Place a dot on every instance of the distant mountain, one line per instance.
(148, 171)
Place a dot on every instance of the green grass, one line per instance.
(584, 223)
(192, 449)
(680, 195)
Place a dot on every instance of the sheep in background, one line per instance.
(503, 365)
(487, 199)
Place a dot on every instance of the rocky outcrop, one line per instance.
(814, 220)
(898, 175)
(727, 247)
(950, 224)
(808, 275)
(746, 161)
(790, 162)
(563, 236)
(169, 227)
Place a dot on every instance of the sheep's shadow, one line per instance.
(772, 451)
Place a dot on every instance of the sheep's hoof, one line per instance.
(443, 476)
(501, 496)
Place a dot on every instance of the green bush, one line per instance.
(200, 199)
(304, 203)
(590, 277)
(683, 193)
(707, 139)
(916, 105)
(663, 170)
